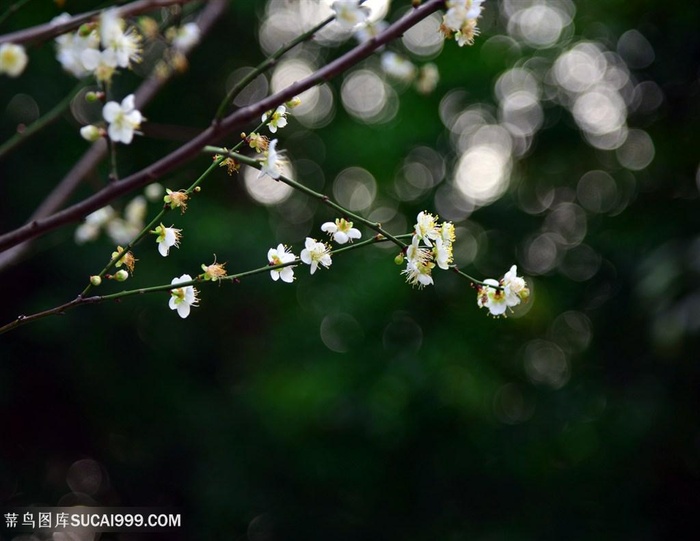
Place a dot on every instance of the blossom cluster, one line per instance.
(272, 161)
(355, 17)
(498, 296)
(460, 20)
(431, 245)
(102, 47)
(99, 48)
(314, 254)
(122, 227)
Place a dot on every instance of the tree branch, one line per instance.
(50, 30)
(232, 123)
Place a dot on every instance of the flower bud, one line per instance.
(85, 29)
(120, 275)
(399, 259)
(294, 102)
(90, 133)
(95, 280)
(92, 96)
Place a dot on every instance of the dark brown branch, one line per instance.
(232, 123)
(50, 30)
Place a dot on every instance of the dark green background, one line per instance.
(243, 418)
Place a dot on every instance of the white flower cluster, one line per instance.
(460, 20)
(498, 296)
(431, 245)
(315, 253)
(272, 161)
(123, 228)
(98, 49)
(349, 14)
(424, 78)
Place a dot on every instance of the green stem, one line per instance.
(82, 299)
(375, 226)
(471, 278)
(153, 223)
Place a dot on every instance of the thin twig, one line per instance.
(82, 300)
(375, 226)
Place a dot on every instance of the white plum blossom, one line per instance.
(276, 119)
(341, 230)
(167, 238)
(70, 49)
(136, 210)
(316, 253)
(279, 256)
(497, 297)
(121, 231)
(447, 232)
(349, 14)
(419, 264)
(124, 46)
(398, 67)
(182, 298)
(426, 228)
(13, 59)
(101, 216)
(123, 119)
(102, 64)
(492, 297)
(186, 37)
(442, 253)
(460, 19)
(89, 230)
(431, 245)
(272, 164)
(79, 53)
(427, 79)
(418, 274)
(515, 287)
(370, 30)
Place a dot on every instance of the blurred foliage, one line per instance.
(350, 406)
